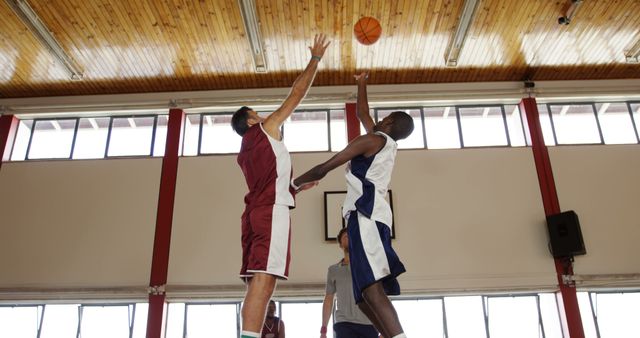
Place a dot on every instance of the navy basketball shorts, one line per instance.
(372, 257)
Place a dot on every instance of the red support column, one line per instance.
(8, 128)
(567, 298)
(164, 218)
(353, 124)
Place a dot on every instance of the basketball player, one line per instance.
(374, 263)
(273, 325)
(266, 165)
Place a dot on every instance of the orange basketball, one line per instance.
(367, 30)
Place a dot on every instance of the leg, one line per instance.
(364, 307)
(382, 309)
(254, 308)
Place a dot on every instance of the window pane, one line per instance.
(19, 152)
(131, 136)
(60, 320)
(545, 123)
(208, 320)
(550, 315)
(635, 109)
(307, 131)
(338, 130)
(161, 135)
(19, 322)
(587, 315)
(140, 320)
(465, 317)
(191, 134)
(421, 318)
(575, 124)
(616, 124)
(441, 127)
(52, 138)
(104, 321)
(514, 124)
(92, 137)
(217, 135)
(482, 126)
(513, 317)
(617, 313)
(416, 139)
(301, 318)
(175, 320)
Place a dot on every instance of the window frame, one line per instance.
(327, 112)
(395, 108)
(73, 140)
(504, 124)
(593, 110)
(200, 131)
(635, 123)
(238, 306)
(153, 135)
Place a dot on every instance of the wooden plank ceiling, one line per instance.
(128, 46)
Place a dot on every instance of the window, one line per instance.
(616, 313)
(91, 140)
(175, 320)
(483, 126)
(514, 125)
(416, 139)
(441, 127)
(338, 125)
(105, 321)
(302, 318)
(160, 137)
(575, 124)
(635, 113)
(615, 122)
(131, 136)
(513, 317)
(307, 131)
(21, 143)
(212, 320)
(20, 321)
(60, 320)
(588, 322)
(52, 139)
(191, 135)
(550, 316)
(140, 320)
(545, 123)
(465, 317)
(217, 136)
(421, 318)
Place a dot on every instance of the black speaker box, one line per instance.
(565, 236)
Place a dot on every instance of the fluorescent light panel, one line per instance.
(24, 11)
(457, 41)
(251, 26)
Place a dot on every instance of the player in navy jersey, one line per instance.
(266, 165)
(374, 263)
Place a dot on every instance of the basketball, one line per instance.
(367, 30)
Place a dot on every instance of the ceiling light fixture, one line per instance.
(457, 41)
(29, 17)
(572, 8)
(632, 55)
(252, 27)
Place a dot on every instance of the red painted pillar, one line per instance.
(567, 298)
(8, 128)
(164, 218)
(353, 124)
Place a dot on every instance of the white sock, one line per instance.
(249, 334)
(402, 335)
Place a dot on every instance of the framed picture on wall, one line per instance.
(333, 220)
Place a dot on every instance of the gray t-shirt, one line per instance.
(339, 283)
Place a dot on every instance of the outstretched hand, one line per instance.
(362, 77)
(308, 186)
(320, 44)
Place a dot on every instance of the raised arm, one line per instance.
(364, 145)
(363, 103)
(299, 89)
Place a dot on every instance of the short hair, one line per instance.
(402, 125)
(340, 233)
(239, 120)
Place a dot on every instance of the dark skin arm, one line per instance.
(363, 103)
(366, 145)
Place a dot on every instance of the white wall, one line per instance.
(602, 184)
(77, 223)
(466, 219)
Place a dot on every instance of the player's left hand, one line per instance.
(320, 44)
(308, 186)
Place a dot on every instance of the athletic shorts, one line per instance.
(371, 256)
(353, 330)
(266, 241)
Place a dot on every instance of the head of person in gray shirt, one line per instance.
(348, 319)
